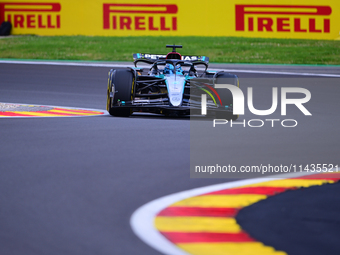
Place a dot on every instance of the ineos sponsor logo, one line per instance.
(157, 56)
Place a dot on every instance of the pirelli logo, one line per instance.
(151, 17)
(31, 15)
(283, 18)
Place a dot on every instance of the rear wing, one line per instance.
(154, 57)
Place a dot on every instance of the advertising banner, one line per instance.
(243, 18)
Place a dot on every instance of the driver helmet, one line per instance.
(179, 68)
(168, 69)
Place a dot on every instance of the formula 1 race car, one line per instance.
(170, 84)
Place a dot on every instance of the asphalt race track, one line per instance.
(311, 220)
(70, 185)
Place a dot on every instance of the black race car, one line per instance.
(170, 84)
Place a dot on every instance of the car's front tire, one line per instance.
(121, 84)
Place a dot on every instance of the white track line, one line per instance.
(54, 63)
(142, 220)
(282, 73)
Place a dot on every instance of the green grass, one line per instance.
(219, 49)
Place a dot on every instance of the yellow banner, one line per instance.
(247, 18)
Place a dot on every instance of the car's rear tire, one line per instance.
(225, 94)
(121, 84)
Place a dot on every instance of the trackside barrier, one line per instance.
(310, 19)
